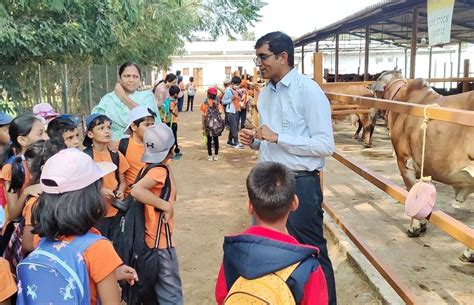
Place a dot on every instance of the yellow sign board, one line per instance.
(440, 16)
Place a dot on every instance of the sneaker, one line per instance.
(239, 146)
(216, 158)
(230, 144)
(176, 157)
(209, 158)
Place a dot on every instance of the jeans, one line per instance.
(180, 103)
(167, 287)
(233, 119)
(190, 101)
(243, 118)
(174, 128)
(306, 225)
(210, 141)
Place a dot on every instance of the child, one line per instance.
(212, 122)
(170, 117)
(159, 220)
(36, 156)
(5, 121)
(64, 217)
(266, 249)
(23, 131)
(44, 112)
(132, 148)
(191, 91)
(64, 129)
(7, 283)
(96, 142)
(231, 102)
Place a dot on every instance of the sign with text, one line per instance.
(440, 16)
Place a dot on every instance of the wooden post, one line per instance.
(255, 75)
(66, 90)
(429, 63)
(318, 67)
(302, 59)
(90, 87)
(336, 62)
(465, 86)
(39, 84)
(366, 53)
(414, 34)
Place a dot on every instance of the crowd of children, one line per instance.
(64, 210)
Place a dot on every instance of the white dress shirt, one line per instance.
(299, 112)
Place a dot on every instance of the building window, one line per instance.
(378, 60)
(185, 71)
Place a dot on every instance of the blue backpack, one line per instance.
(56, 273)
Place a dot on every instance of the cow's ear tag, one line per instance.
(420, 200)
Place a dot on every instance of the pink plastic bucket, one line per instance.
(420, 200)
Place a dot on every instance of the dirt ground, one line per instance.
(212, 203)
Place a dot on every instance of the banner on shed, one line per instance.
(440, 16)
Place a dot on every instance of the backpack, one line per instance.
(130, 242)
(113, 155)
(123, 145)
(11, 246)
(56, 273)
(213, 121)
(190, 90)
(256, 291)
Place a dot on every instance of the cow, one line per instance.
(365, 121)
(449, 153)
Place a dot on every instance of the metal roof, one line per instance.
(390, 22)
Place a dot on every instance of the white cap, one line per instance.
(136, 114)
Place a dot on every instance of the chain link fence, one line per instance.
(68, 88)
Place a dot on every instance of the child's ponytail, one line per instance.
(18, 175)
(38, 153)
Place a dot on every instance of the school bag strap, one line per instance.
(123, 145)
(300, 275)
(114, 155)
(165, 195)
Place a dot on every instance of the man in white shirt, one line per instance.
(295, 130)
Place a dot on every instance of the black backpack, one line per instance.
(130, 243)
(113, 155)
(123, 145)
(213, 121)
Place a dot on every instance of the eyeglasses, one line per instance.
(258, 60)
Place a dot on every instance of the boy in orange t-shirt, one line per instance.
(132, 148)
(96, 143)
(159, 220)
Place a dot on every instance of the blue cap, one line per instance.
(91, 118)
(5, 118)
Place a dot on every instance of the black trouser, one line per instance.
(190, 101)
(233, 119)
(210, 141)
(306, 225)
(174, 127)
(243, 118)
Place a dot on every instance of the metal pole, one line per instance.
(302, 59)
(459, 60)
(90, 87)
(444, 75)
(39, 84)
(366, 53)
(317, 47)
(414, 34)
(336, 61)
(406, 62)
(66, 90)
(106, 79)
(430, 61)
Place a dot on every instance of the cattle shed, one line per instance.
(397, 23)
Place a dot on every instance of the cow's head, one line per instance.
(384, 79)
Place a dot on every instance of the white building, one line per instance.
(211, 62)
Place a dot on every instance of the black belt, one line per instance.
(299, 174)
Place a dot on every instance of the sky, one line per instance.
(298, 17)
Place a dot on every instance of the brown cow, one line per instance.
(449, 154)
(365, 121)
